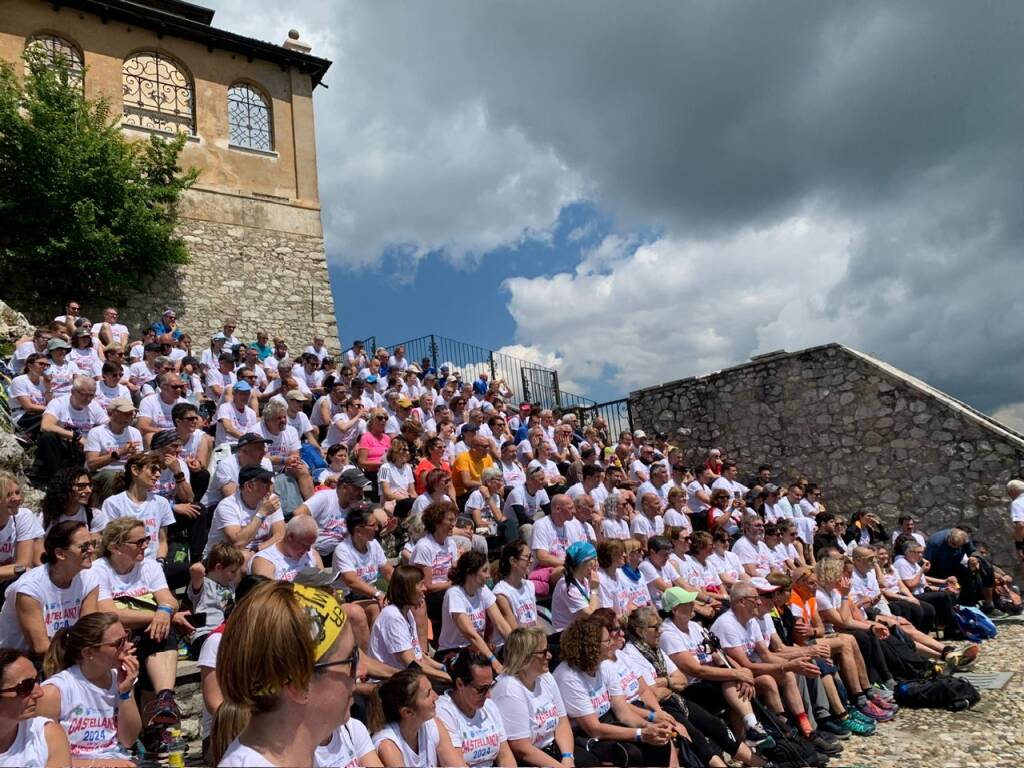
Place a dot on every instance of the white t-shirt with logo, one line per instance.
(457, 601)
(60, 607)
(521, 497)
(243, 421)
(523, 601)
(22, 386)
(145, 578)
(440, 557)
(155, 513)
(282, 445)
(393, 633)
(732, 634)
(285, 567)
(529, 714)
(365, 565)
(103, 440)
(21, 526)
(757, 553)
(81, 419)
(651, 574)
(673, 640)
(157, 411)
(583, 694)
(478, 737)
(325, 508)
(726, 564)
(227, 472)
(89, 715)
(612, 593)
(553, 539)
(233, 511)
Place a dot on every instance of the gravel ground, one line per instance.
(990, 734)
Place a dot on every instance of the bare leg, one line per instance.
(360, 626)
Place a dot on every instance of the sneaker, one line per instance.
(992, 612)
(880, 691)
(853, 713)
(858, 724)
(875, 713)
(823, 745)
(883, 703)
(162, 711)
(758, 738)
(960, 660)
(833, 726)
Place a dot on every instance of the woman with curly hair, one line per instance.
(68, 497)
(618, 732)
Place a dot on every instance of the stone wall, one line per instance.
(870, 435)
(268, 280)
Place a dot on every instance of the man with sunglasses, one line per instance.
(65, 423)
(155, 409)
(108, 445)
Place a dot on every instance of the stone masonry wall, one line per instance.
(870, 435)
(268, 280)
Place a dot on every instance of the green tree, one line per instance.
(83, 211)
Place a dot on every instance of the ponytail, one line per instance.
(229, 721)
(390, 697)
(53, 661)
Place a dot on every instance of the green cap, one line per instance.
(674, 596)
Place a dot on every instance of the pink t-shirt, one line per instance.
(376, 448)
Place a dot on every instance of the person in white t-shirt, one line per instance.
(65, 423)
(360, 562)
(236, 418)
(515, 593)
(91, 696)
(550, 538)
(108, 446)
(474, 722)
(403, 720)
(577, 592)
(469, 605)
(750, 549)
(28, 394)
(21, 534)
(284, 559)
(142, 472)
(38, 603)
(658, 573)
(649, 521)
(251, 519)
(27, 739)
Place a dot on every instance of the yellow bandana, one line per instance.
(325, 614)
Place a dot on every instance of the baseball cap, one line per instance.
(639, 434)
(297, 394)
(404, 402)
(762, 584)
(83, 332)
(122, 404)
(769, 488)
(354, 476)
(413, 368)
(674, 596)
(164, 438)
(242, 386)
(254, 472)
(525, 407)
(218, 336)
(249, 438)
(57, 343)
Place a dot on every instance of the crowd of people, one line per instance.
(376, 563)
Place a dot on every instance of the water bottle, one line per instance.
(176, 749)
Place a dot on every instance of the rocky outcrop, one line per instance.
(13, 325)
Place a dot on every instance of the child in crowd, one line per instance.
(212, 590)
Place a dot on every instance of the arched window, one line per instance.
(249, 118)
(56, 50)
(157, 94)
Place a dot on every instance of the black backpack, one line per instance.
(902, 658)
(790, 750)
(939, 692)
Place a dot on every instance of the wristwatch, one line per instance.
(115, 455)
(19, 569)
(179, 477)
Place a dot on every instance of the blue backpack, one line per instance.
(974, 625)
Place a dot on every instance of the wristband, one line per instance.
(650, 716)
(166, 609)
(492, 658)
(639, 735)
(570, 755)
(125, 696)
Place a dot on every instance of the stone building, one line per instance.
(252, 222)
(872, 436)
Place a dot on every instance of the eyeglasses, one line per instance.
(22, 689)
(83, 548)
(81, 486)
(140, 543)
(483, 690)
(190, 418)
(542, 653)
(119, 643)
(353, 660)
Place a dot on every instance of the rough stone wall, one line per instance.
(268, 280)
(870, 435)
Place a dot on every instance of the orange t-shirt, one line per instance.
(465, 462)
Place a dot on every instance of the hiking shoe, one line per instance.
(886, 704)
(833, 727)
(960, 660)
(758, 738)
(880, 691)
(162, 711)
(859, 724)
(823, 745)
(877, 714)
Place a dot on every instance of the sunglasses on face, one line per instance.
(140, 543)
(119, 643)
(22, 689)
(352, 660)
(483, 690)
(81, 486)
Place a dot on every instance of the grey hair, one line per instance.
(273, 409)
(740, 590)
(301, 525)
(83, 384)
(492, 473)
(1015, 487)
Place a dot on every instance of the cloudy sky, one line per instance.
(644, 191)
